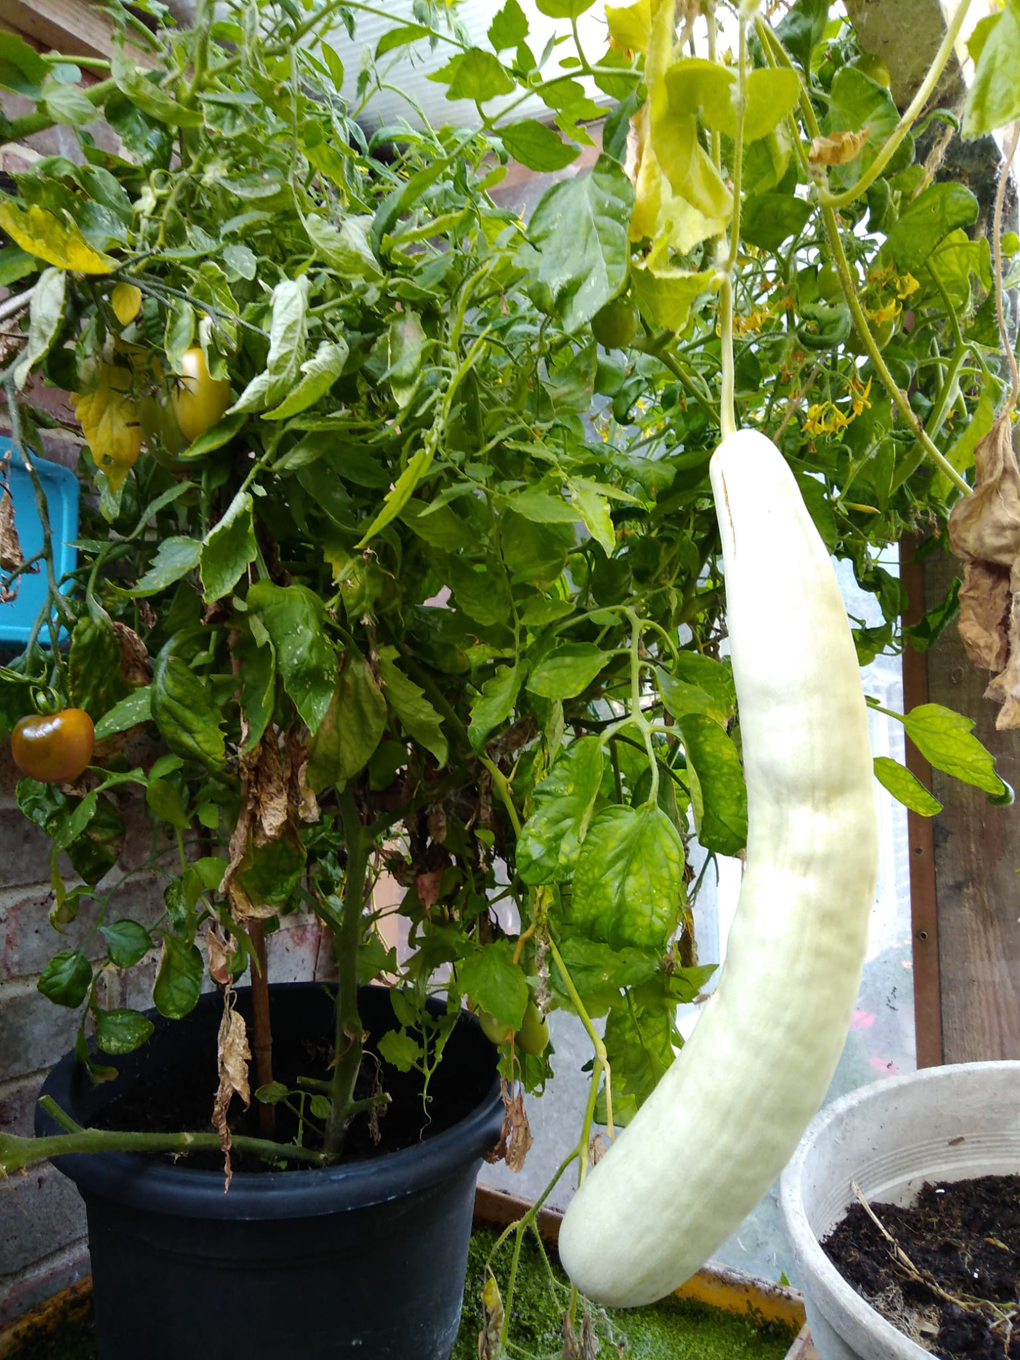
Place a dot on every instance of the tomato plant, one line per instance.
(54, 748)
(199, 400)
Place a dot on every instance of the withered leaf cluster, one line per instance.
(984, 532)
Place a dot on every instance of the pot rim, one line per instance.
(827, 1290)
(136, 1180)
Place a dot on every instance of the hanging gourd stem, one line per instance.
(727, 405)
(1009, 152)
(909, 118)
(778, 56)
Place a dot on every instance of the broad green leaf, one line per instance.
(135, 709)
(550, 839)
(66, 978)
(803, 28)
(228, 548)
(406, 344)
(544, 508)
(509, 27)
(295, 619)
(905, 787)
(495, 983)
(717, 785)
(858, 103)
(770, 219)
(944, 739)
(52, 239)
(45, 319)
(600, 972)
(22, 69)
(494, 703)
(563, 9)
(567, 671)
(333, 64)
(178, 983)
(140, 88)
(537, 146)
(400, 1050)
(127, 942)
(440, 526)
(714, 677)
(164, 801)
(680, 697)
(185, 710)
(580, 231)
(534, 553)
(480, 592)
(993, 99)
(630, 26)
(667, 294)
(216, 436)
(345, 248)
(476, 75)
(420, 720)
(15, 264)
(257, 660)
(628, 880)
(352, 728)
(639, 1045)
(399, 37)
(320, 373)
(68, 105)
(595, 513)
(93, 666)
(933, 214)
(121, 1030)
(929, 628)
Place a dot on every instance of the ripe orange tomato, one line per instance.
(54, 747)
(199, 400)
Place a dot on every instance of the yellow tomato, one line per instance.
(110, 423)
(199, 399)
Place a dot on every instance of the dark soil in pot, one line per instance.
(946, 1270)
(180, 1094)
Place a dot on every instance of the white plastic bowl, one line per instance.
(940, 1124)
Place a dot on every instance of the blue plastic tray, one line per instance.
(61, 488)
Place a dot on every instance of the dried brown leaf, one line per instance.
(220, 952)
(597, 1149)
(984, 614)
(11, 556)
(492, 1320)
(570, 1349)
(589, 1341)
(1005, 688)
(520, 1133)
(428, 887)
(232, 1056)
(985, 526)
(838, 149)
(135, 666)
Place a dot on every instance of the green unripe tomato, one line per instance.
(533, 1035)
(493, 1030)
(882, 333)
(873, 66)
(615, 325)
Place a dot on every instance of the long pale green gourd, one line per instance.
(727, 1115)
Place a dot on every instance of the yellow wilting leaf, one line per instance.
(838, 149)
(45, 236)
(109, 422)
(630, 26)
(126, 300)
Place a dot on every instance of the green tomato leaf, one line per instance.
(185, 710)
(270, 873)
(127, 942)
(135, 709)
(401, 1051)
(228, 548)
(66, 978)
(476, 75)
(320, 373)
(509, 27)
(600, 972)
(175, 557)
(122, 1030)
(628, 881)
(420, 720)
(178, 983)
(579, 232)
(639, 1045)
(537, 146)
(164, 801)
(770, 219)
(944, 739)
(550, 839)
(905, 787)
(93, 666)
(993, 99)
(46, 317)
(495, 983)
(494, 703)
(933, 214)
(295, 619)
(717, 785)
(352, 728)
(567, 671)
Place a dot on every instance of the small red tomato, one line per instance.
(53, 747)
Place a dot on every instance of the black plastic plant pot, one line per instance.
(364, 1259)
